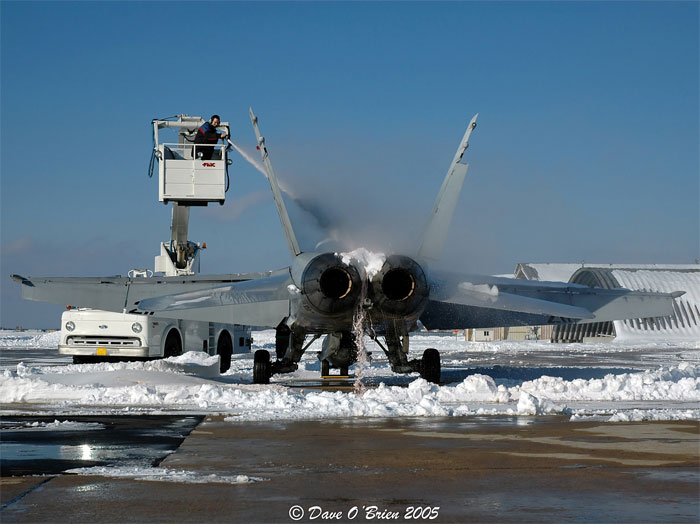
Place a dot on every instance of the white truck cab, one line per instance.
(92, 335)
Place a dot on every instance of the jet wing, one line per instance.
(121, 294)
(474, 301)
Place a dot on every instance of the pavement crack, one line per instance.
(30, 490)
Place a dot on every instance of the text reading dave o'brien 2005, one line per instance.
(297, 513)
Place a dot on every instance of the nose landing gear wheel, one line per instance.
(261, 367)
(430, 366)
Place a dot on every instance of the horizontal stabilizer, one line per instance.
(260, 303)
(461, 301)
(121, 294)
(522, 304)
(251, 292)
(622, 304)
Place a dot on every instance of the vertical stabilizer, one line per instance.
(435, 232)
(292, 243)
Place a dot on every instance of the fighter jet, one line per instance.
(347, 296)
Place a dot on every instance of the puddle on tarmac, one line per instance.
(50, 445)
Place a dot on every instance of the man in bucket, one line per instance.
(208, 135)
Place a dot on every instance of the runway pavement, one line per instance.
(459, 469)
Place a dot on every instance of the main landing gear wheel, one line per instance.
(261, 367)
(430, 366)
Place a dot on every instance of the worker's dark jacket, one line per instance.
(206, 135)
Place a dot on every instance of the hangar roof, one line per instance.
(562, 272)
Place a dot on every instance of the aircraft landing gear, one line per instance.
(397, 353)
(282, 335)
(262, 369)
(343, 371)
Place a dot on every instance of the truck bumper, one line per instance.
(142, 351)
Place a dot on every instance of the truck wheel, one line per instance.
(224, 348)
(430, 366)
(173, 345)
(261, 367)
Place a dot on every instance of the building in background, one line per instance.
(683, 324)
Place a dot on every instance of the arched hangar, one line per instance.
(684, 323)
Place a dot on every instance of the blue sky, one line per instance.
(586, 149)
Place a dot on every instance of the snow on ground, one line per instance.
(607, 381)
(56, 425)
(163, 475)
(31, 339)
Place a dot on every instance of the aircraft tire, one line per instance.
(325, 368)
(173, 344)
(261, 367)
(224, 348)
(430, 365)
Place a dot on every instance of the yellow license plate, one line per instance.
(102, 352)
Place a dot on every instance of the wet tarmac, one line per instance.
(9, 357)
(41, 445)
(459, 469)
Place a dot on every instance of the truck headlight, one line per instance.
(70, 325)
(136, 327)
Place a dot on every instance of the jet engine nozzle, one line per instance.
(330, 285)
(400, 287)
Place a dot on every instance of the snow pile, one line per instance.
(193, 362)
(592, 380)
(678, 383)
(640, 415)
(531, 405)
(162, 475)
(127, 387)
(57, 425)
(29, 339)
(479, 388)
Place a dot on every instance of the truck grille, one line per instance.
(110, 342)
